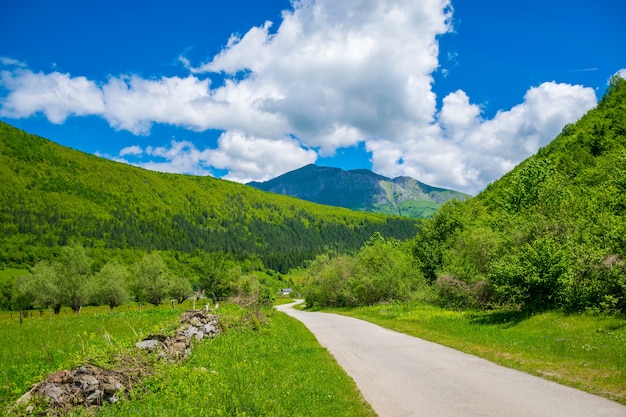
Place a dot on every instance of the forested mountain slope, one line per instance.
(549, 234)
(51, 195)
(361, 190)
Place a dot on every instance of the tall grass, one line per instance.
(583, 351)
(277, 370)
(44, 343)
(258, 367)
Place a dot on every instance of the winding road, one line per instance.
(403, 376)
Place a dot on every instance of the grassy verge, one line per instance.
(277, 370)
(586, 352)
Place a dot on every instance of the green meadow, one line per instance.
(264, 363)
(45, 343)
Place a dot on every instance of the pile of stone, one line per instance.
(92, 386)
(196, 325)
(87, 385)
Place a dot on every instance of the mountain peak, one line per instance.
(361, 190)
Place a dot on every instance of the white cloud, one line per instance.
(10, 62)
(246, 158)
(56, 95)
(252, 158)
(131, 150)
(180, 157)
(332, 74)
(469, 151)
(622, 73)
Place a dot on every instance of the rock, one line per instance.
(111, 385)
(149, 345)
(91, 386)
(53, 392)
(61, 377)
(160, 337)
(95, 398)
(87, 383)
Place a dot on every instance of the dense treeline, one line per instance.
(51, 195)
(74, 279)
(551, 234)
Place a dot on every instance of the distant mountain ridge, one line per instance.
(361, 190)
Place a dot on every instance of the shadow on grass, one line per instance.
(506, 318)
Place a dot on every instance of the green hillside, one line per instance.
(549, 234)
(51, 195)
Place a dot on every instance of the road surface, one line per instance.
(403, 376)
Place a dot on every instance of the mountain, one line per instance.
(550, 234)
(51, 195)
(361, 190)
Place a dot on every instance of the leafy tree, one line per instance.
(329, 282)
(180, 288)
(386, 272)
(533, 278)
(41, 288)
(151, 279)
(110, 285)
(218, 275)
(74, 276)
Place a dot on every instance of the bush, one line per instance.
(534, 278)
(329, 282)
(599, 287)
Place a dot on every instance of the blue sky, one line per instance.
(453, 94)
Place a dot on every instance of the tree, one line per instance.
(74, 276)
(152, 279)
(180, 288)
(217, 275)
(110, 285)
(41, 289)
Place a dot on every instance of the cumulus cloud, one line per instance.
(131, 150)
(332, 74)
(56, 95)
(246, 158)
(465, 151)
(260, 159)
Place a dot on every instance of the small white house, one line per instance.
(285, 291)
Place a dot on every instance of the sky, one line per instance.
(452, 93)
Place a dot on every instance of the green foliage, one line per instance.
(329, 284)
(110, 285)
(152, 279)
(278, 370)
(538, 238)
(73, 276)
(534, 278)
(51, 195)
(41, 289)
(68, 281)
(382, 270)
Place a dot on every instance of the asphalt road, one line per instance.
(401, 375)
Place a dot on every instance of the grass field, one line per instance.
(258, 367)
(278, 370)
(583, 351)
(44, 343)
